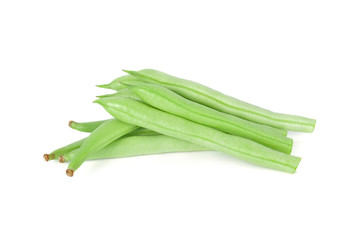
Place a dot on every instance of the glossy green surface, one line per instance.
(136, 113)
(86, 126)
(63, 150)
(168, 101)
(140, 145)
(99, 138)
(221, 102)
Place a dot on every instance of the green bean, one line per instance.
(115, 84)
(75, 145)
(86, 126)
(137, 113)
(221, 102)
(139, 145)
(99, 138)
(91, 126)
(63, 150)
(123, 92)
(168, 101)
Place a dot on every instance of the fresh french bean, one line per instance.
(99, 138)
(63, 150)
(136, 113)
(168, 101)
(221, 102)
(139, 145)
(86, 126)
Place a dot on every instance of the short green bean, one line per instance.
(221, 102)
(137, 113)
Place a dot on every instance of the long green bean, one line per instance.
(136, 113)
(63, 150)
(138, 145)
(168, 101)
(99, 138)
(221, 102)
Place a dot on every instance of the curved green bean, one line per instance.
(221, 102)
(86, 126)
(139, 145)
(168, 101)
(91, 126)
(99, 138)
(137, 113)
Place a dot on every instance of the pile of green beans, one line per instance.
(154, 112)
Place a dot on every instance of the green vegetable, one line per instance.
(86, 126)
(168, 101)
(63, 150)
(99, 138)
(136, 113)
(221, 102)
(138, 145)
(91, 126)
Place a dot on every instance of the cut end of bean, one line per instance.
(70, 122)
(61, 159)
(313, 125)
(48, 157)
(69, 172)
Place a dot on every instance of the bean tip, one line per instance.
(128, 71)
(69, 172)
(61, 159)
(98, 101)
(48, 157)
(103, 85)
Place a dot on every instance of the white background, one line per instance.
(298, 57)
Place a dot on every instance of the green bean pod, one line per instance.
(115, 84)
(63, 150)
(91, 126)
(168, 101)
(139, 145)
(86, 126)
(140, 114)
(99, 138)
(221, 102)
